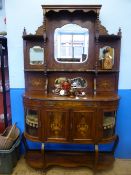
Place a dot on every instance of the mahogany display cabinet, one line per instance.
(71, 70)
(5, 111)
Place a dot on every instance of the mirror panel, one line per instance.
(71, 44)
(36, 55)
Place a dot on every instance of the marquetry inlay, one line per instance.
(56, 125)
(82, 127)
(35, 82)
(107, 84)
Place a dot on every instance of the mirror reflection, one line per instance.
(71, 44)
(72, 87)
(36, 55)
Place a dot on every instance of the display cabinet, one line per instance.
(71, 70)
(5, 112)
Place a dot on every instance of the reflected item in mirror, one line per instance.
(36, 55)
(78, 82)
(71, 44)
(70, 87)
(106, 57)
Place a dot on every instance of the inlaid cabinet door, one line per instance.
(57, 125)
(83, 125)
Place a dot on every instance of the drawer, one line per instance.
(109, 104)
(68, 104)
(31, 102)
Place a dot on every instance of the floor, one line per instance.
(121, 167)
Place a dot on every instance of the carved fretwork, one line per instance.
(102, 29)
(39, 31)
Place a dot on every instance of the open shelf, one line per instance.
(71, 159)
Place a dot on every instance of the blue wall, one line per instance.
(123, 127)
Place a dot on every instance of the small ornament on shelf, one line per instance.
(70, 87)
(62, 86)
(106, 57)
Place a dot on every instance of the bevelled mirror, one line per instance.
(71, 43)
(36, 55)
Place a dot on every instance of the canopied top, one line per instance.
(71, 8)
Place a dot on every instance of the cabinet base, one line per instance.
(43, 160)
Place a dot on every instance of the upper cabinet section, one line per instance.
(72, 39)
(70, 32)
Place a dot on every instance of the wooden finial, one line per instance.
(24, 31)
(119, 32)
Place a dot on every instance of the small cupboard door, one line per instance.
(32, 123)
(83, 125)
(109, 122)
(56, 125)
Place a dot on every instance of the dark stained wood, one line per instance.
(67, 119)
(33, 37)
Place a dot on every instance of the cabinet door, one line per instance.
(57, 125)
(83, 128)
(109, 120)
(32, 123)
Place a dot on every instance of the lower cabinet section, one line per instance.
(56, 121)
(70, 122)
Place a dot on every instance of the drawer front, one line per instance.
(109, 104)
(68, 104)
(31, 102)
